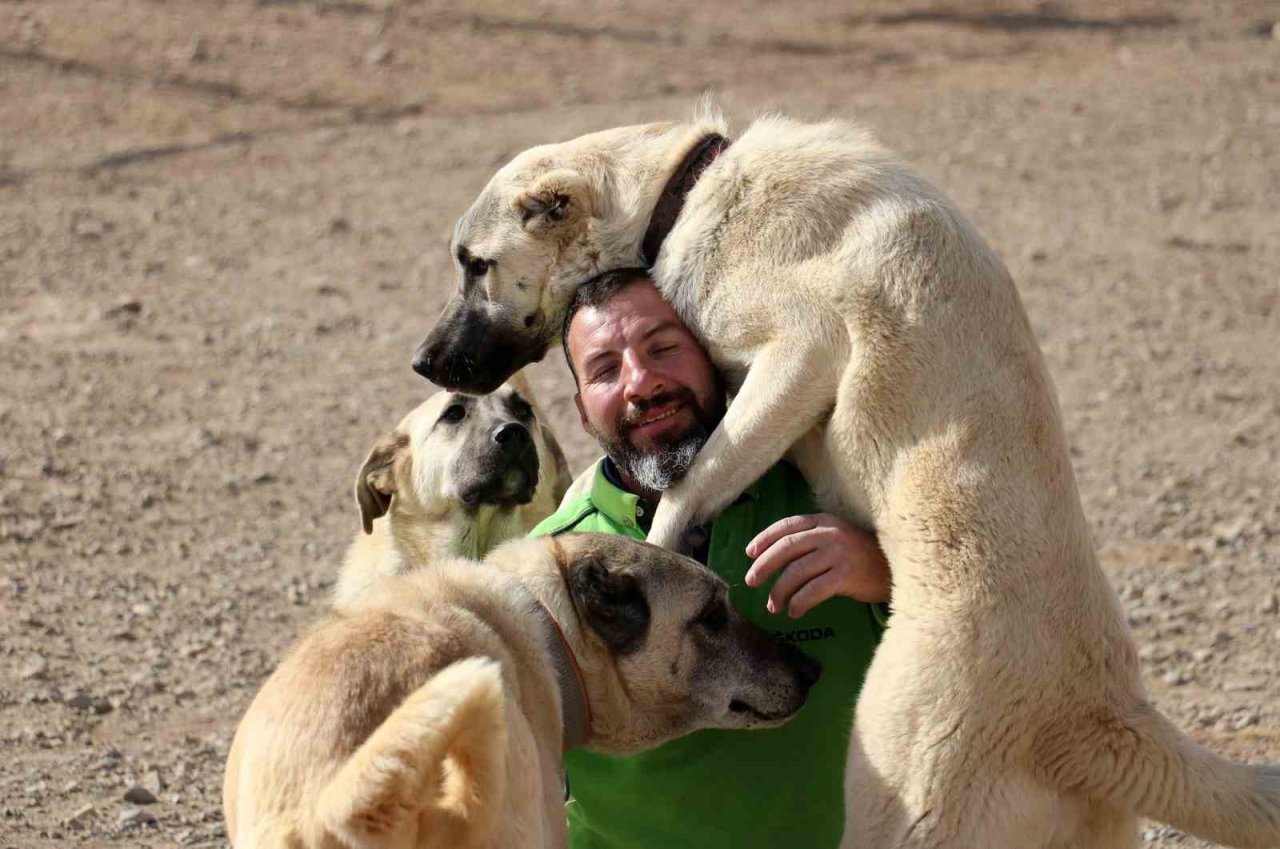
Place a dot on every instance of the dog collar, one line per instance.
(574, 706)
(671, 201)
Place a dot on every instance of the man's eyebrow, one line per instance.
(595, 358)
(665, 324)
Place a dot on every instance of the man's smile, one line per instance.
(652, 423)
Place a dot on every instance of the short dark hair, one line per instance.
(596, 292)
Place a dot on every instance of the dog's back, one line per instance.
(394, 723)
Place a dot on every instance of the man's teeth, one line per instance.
(668, 414)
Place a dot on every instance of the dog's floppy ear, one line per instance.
(557, 198)
(612, 603)
(376, 482)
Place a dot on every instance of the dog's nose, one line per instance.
(512, 436)
(808, 670)
(422, 361)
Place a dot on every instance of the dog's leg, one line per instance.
(789, 387)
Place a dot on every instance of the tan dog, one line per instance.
(433, 711)
(456, 477)
(866, 327)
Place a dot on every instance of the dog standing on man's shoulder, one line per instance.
(432, 711)
(459, 475)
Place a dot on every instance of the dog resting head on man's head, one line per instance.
(549, 220)
(457, 476)
(428, 712)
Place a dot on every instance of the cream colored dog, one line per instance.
(866, 327)
(432, 711)
(456, 477)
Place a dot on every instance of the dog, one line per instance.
(433, 710)
(866, 328)
(456, 477)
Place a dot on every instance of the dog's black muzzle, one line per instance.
(505, 468)
(468, 352)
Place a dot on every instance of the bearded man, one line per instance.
(650, 395)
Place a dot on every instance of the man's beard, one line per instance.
(667, 462)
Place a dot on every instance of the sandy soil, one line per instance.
(223, 231)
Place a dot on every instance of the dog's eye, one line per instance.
(453, 414)
(521, 408)
(714, 617)
(477, 267)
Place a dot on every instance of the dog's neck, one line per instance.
(469, 534)
(647, 173)
(613, 725)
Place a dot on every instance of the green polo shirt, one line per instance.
(733, 789)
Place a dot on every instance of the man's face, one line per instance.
(647, 391)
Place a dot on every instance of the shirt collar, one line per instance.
(610, 498)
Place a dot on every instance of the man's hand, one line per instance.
(819, 556)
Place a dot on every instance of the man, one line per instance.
(648, 393)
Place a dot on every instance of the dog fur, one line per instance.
(865, 326)
(426, 713)
(434, 489)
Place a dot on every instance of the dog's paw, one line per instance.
(663, 536)
(688, 540)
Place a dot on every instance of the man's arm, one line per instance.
(818, 557)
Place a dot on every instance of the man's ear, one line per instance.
(557, 199)
(611, 602)
(582, 412)
(376, 482)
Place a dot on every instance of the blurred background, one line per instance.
(223, 231)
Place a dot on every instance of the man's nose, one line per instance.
(640, 381)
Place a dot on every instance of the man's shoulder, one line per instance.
(567, 517)
(580, 509)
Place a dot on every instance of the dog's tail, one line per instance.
(1139, 761)
(443, 748)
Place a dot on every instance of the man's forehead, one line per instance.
(621, 320)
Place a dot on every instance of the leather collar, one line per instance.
(574, 707)
(671, 201)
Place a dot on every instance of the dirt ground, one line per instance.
(223, 231)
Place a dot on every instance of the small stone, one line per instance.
(379, 54)
(139, 795)
(77, 818)
(86, 226)
(1174, 678)
(1243, 685)
(152, 782)
(1227, 534)
(92, 704)
(196, 51)
(1271, 604)
(35, 669)
(204, 438)
(124, 308)
(135, 816)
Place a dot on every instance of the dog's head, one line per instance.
(519, 251)
(549, 220)
(462, 452)
(664, 653)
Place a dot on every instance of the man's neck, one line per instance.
(614, 473)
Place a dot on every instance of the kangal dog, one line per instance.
(867, 328)
(433, 710)
(457, 476)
